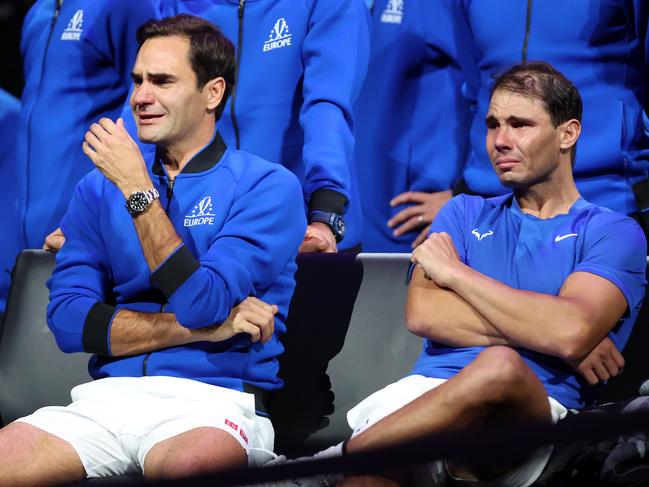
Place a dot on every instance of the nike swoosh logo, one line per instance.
(559, 238)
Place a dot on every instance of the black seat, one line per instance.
(378, 348)
(33, 371)
(352, 305)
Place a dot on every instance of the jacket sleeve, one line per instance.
(335, 53)
(123, 18)
(639, 16)
(441, 114)
(468, 53)
(264, 229)
(80, 284)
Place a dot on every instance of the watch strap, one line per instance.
(333, 220)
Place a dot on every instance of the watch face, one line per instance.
(138, 202)
(339, 226)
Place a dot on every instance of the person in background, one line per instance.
(412, 122)
(77, 57)
(603, 47)
(9, 114)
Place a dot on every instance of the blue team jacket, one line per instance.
(78, 58)
(9, 221)
(241, 220)
(603, 48)
(302, 64)
(412, 120)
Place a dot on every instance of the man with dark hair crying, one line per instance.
(524, 300)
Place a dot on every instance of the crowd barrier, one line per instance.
(345, 340)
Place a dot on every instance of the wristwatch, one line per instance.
(139, 201)
(334, 221)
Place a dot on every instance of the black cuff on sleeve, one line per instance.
(175, 271)
(95, 329)
(328, 201)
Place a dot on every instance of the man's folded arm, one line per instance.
(568, 326)
(441, 315)
(265, 226)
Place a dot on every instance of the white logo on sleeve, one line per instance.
(393, 13)
(559, 238)
(479, 235)
(75, 27)
(280, 36)
(201, 214)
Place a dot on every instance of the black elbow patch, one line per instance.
(95, 329)
(175, 271)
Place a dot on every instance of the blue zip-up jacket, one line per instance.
(78, 56)
(241, 220)
(9, 221)
(301, 66)
(406, 138)
(603, 48)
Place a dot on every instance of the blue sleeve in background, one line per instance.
(440, 116)
(335, 54)
(9, 209)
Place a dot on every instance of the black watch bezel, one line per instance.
(139, 201)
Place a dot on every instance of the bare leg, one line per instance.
(195, 452)
(30, 456)
(496, 387)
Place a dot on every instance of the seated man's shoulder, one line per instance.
(473, 205)
(600, 223)
(251, 170)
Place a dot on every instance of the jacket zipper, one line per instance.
(528, 23)
(170, 191)
(57, 11)
(233, 95)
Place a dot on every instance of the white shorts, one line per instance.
(112, 423)
(395, 396)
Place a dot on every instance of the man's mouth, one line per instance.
(506, 163)
(148, 118)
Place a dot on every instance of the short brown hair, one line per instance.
(211, 54)
(541, 81)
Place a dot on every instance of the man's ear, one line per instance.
(215, 89)
(570, 133)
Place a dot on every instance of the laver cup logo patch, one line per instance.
(201, 214)
(279, 37)
(393, 13)
(75, 27)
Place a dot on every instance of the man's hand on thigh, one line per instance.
(196, 452)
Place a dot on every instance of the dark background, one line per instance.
(12, 13)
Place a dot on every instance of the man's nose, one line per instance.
(142, 95)
(502, 139)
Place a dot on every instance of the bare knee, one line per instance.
(501, 375)
(31, 456)
(196, 452)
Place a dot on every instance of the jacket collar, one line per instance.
(208, 157)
